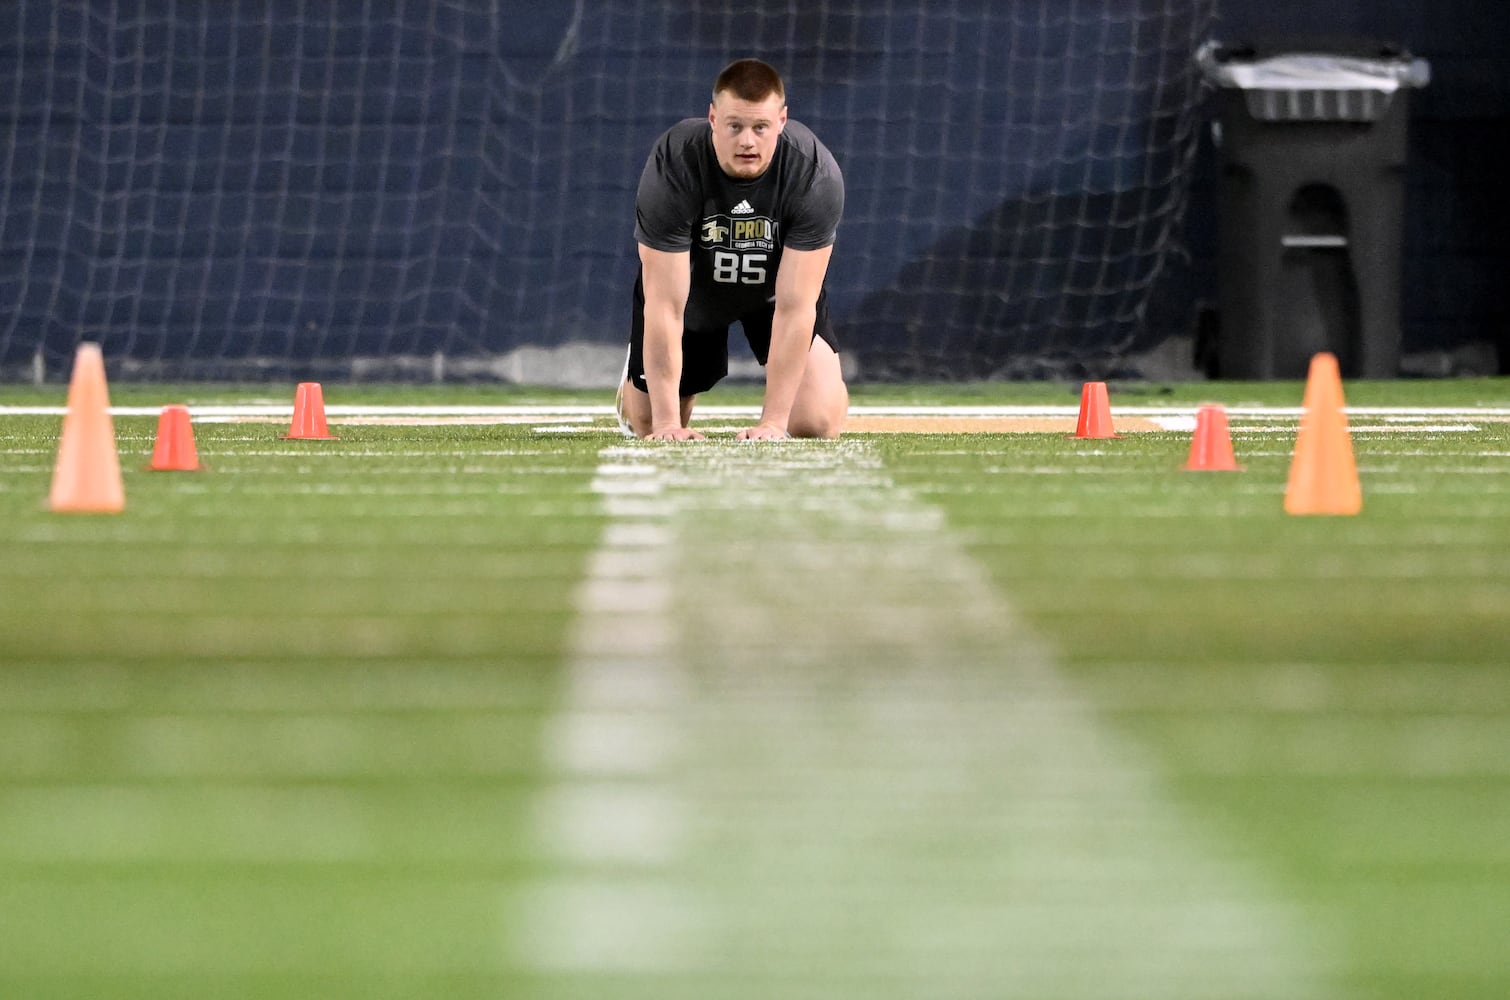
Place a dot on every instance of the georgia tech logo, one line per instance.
(714, 231)
(739, 234)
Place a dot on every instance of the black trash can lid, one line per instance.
(1362, 67)
(1309, 84)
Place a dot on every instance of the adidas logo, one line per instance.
(743, 208)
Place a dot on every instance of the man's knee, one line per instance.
(821, 412)
(826, 427)
(634, 409)
(823, 400)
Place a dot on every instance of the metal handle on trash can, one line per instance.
(1313, 242)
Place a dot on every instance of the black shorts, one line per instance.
(705, 353)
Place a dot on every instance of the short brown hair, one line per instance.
(750, 80)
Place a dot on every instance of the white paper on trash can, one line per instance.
(1321, 72)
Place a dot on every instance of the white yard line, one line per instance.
(523, 413)
(808, 751)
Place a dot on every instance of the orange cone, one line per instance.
(1211, 446)
(174, 450)
(309, 414)
(1095, 413)
(87, 477)
(1323, 475)
(1323, 384)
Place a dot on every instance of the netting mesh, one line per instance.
(421, 188)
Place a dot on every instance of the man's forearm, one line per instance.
(791, 338)
(663, 370)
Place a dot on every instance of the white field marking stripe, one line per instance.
(1187, 423)
(546, 411)
(805, 741)
(1393, 429)
(411, 419)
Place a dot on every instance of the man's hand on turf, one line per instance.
(764, 432)
(675, 434)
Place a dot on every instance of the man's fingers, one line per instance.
(763, 433)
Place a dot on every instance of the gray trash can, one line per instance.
(1311, 148)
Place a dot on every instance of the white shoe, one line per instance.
(618, 400)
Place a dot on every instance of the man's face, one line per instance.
(745, 132)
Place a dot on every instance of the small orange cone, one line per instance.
(87, 476)
(309, 414)
(174, 450)
(1323, 385)
(1095, 413)
(1211, 446)
(1323, 474)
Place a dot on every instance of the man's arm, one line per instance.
(667, 279)
(799, 280)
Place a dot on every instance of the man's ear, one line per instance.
(710, 113)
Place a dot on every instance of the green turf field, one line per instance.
(530, 710)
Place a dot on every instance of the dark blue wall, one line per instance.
(278, 184)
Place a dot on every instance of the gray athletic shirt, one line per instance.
(735, 229)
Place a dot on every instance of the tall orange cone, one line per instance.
(1323, 475)
(1095, 412)
(1211, 445)
(87, 476)
(309, 414)
(174, 450)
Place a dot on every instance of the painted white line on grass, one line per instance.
(818, 757)
(1178, 422)
(542, 413)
